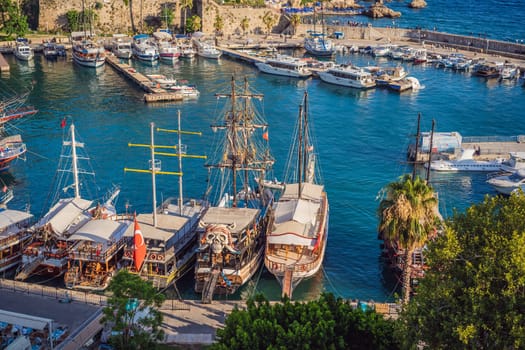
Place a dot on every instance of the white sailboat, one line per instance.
(296, 241)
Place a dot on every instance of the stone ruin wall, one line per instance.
(113, 17)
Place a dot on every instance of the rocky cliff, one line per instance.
(379, 10)
(417, 4)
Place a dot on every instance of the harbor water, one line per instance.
(362, 138)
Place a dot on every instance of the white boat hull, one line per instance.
(329, 78)
(266, 68)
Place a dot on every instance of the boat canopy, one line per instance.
(309, 191)
(101, 231)
(10, 217)
(301, 211)
(167, 225)
(236, 218)
(162, 36)
(62, 214)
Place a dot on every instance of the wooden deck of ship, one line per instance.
(153, 93)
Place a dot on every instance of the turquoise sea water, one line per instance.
(362, 137)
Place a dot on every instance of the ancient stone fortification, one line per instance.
(114, 16)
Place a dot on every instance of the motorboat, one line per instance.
(168, 51)
(23, 51)
(121, 47)
(507, 183)
(466, 162)
(144, 49)
(408, 83)
(285, 65)
(385, 76)
(318, 45)
(510, 71)
(207, 50)
(178, 86)
(349, 76)
(488, 70)
(87, 52)
(515, 162)
(50, 50)
(11, 148)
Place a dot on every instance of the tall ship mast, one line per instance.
(232, 231)
(164, 242)
(296, 242)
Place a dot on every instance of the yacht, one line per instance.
(385, 76)
(23, 51)
(507, 183)
(510, 71)
(143, 49)
(466, 162)
(349, 76)
(408, 83)
(285, 65)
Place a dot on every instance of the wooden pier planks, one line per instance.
(153, 94)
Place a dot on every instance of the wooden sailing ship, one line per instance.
(233, 229)
(169, 233)
(296, 241)
(13, 237)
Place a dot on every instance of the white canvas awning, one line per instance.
(62, 215)
(309, 191)
(100, 231)
(24, 320)
(167, 225)
(9, 217)
(299, 210)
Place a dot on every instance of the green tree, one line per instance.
(295, 19)
(193, 24)
(129, 3)
(185, 6)
(13, 21)
(269, 21)
(167, 16)
(327, 323)
(73, 17)
(218, 24)
(132, 312)
(245, 24)
(407, 216)
(473, 293)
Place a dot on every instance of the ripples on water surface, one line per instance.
(362, 138)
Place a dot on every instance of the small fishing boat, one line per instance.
(121, 46)
(510, 71)
(23, 51)
(86, 52)
(488, 70)
(168, 50)
(408, 83)
(50, 50)
(296, 241)
(207, 50)
(387, 75)
(144, 49)
(11, 148)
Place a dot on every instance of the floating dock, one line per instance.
(4, 66)
(153, 93)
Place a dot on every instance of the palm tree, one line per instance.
(245, 24)
(295, 19)
(185, 5)
(269, 21)
(407, 217)
(130, 4)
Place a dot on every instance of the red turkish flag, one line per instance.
(139, 252)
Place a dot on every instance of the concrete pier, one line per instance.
(4, 66)
(153, 94)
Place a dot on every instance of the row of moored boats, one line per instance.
(244, 221)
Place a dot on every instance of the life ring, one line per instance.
(152, 257)
(160, 257)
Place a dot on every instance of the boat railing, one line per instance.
(297, 267)
(95, 255)
(13, 239)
